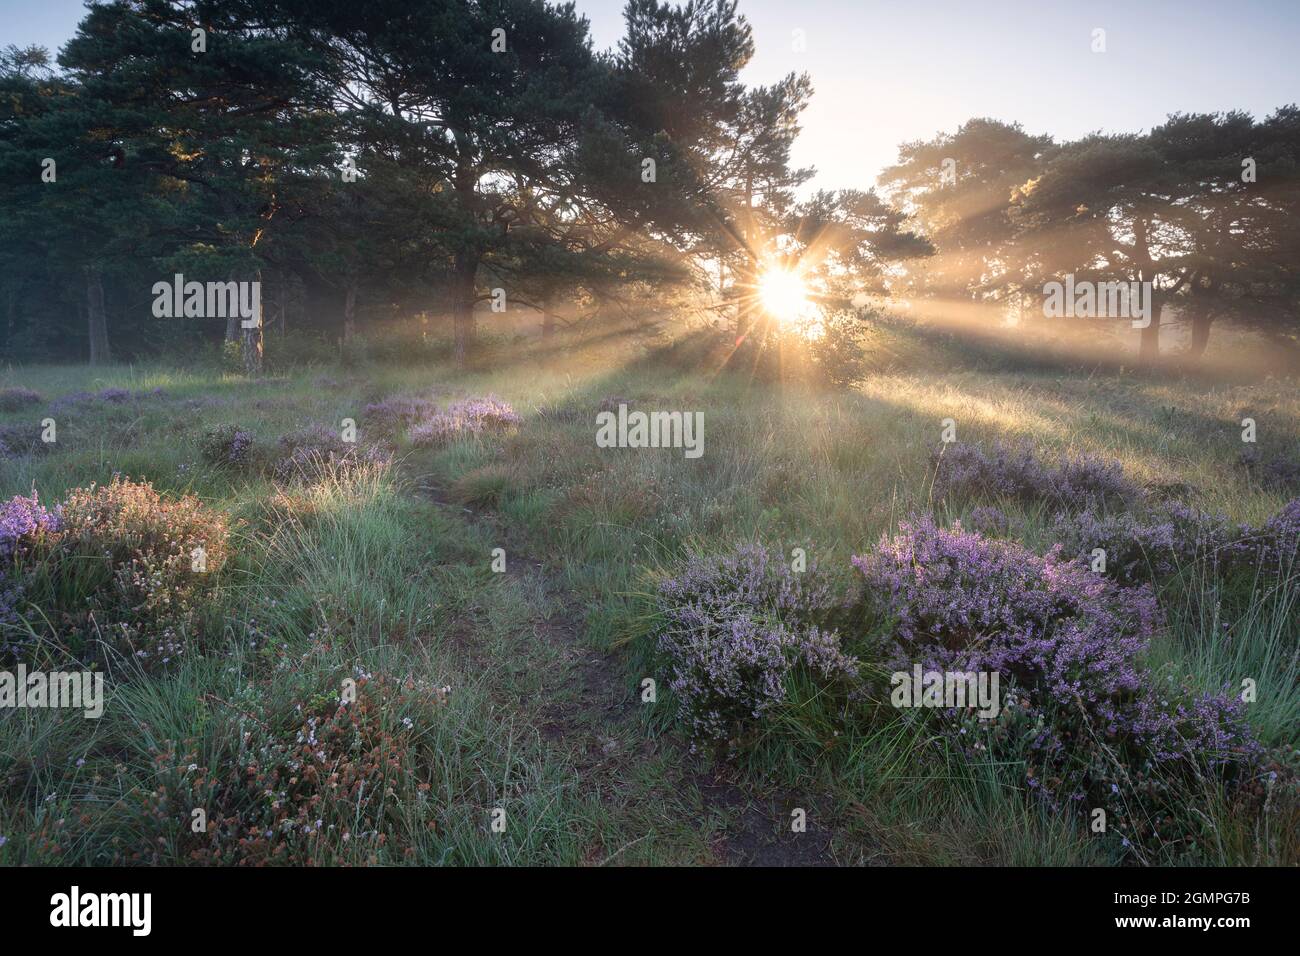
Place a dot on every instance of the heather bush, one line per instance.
(470, 417)
(317, 452)
(397, 412)
(1016, 473)
(611, 403)
(106, 396)
(1152, 546)
(227, 446)
(24, 526)
(1280, 472)
(22, 439)
(23, 521)
(734, 628)
(122, 565)
(323, 791)
(1069, 646)
(1274, 547)
(990, 522)
(16, 397)
(1170, 540)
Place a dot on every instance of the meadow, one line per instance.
(500, 713)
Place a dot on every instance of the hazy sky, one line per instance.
(887, 71)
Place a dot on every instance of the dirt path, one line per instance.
(589, 714)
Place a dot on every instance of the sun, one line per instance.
(784, 295)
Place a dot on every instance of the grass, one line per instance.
(387, 571)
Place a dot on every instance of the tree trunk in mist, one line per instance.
(350, 315)
(1201, 322)
(96, 320)
(746, 284)
(548, 317)
(253, 338)
(322, 305)
(462, 310)
(1149, 347)
(11, 318)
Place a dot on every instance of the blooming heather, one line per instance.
(1070, 643)
(472, 416)
(107, 396)
(398, 411)
(735, 627)
(1275, 545)
(317, 451)
(16, 397)
(1150, 547)
(1278, 471)
(22, 520)
(133, 553)
(989, 521)
(1016, 473)
(21, 439)
(227, 445)
(1161, 543)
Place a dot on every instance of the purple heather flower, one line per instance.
(734, 629)
(1071, 643)
(1016, 473)
(15, 397)
(471, 416)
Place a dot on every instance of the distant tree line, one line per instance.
(370, 160)
(363, 160)
(1204, 207)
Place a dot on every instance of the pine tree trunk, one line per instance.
(11, 320)
(746, 284)
(1149, 348)
(350, 315)
(1201, 322)
(96, 320)
(253, 343)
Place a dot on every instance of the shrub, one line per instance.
(839, 352)
(473, 416)
(227, 446)
(23, 521)
(735, 626)
(24, 524)
(1280, 472)
(1274, 547)
(336, 788)
(990, 522)
(17, 397)
(1173, 538)
(398, 412)
(1151, 547)
(1016, 473)
(18, 440)
(316, 452)
(1087, 717)
(610, 403)
(107, 396)
(120, 565)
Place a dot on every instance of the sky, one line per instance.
(890, 71)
